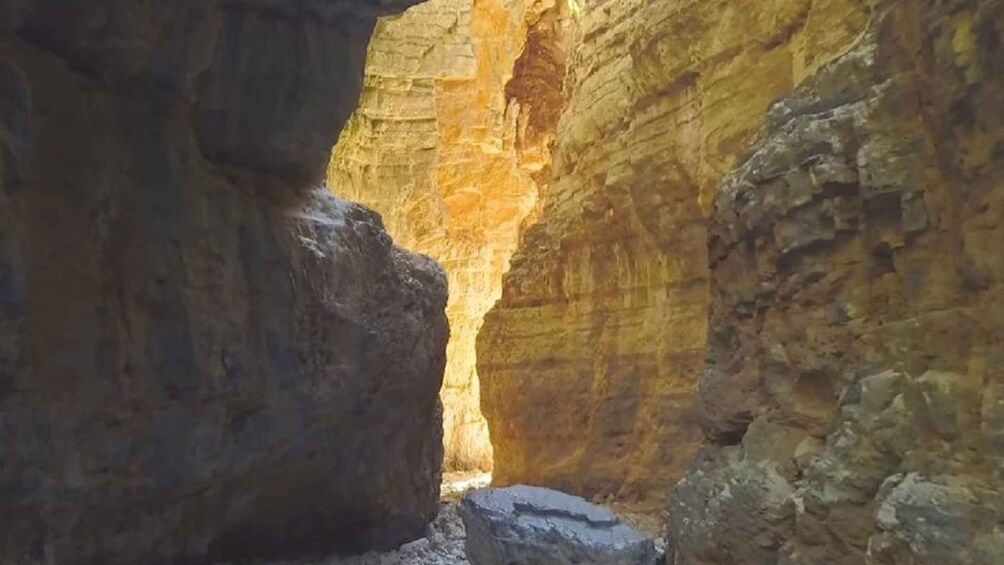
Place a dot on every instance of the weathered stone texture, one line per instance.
(590, 360)
(451, 158)
(201, 359)
(857, 311)
(525, 524)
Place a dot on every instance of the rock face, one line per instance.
(449, 145)
(590, 360)
(533, 525)
(200, 359)
(853, 392)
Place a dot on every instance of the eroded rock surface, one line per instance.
(451, 145)
(589, 362)
(853, 390)
(201, 359)
(524, 524)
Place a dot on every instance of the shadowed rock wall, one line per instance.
(201, 359)
(451, 145)
(590, 360)
(854, 382)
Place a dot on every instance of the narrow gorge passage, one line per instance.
(451, 145)
(688, 282)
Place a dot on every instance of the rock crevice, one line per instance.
(451, 145)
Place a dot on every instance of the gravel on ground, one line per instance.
(443, 543)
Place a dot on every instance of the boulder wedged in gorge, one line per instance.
(853, 391)
(200, 358)
(589, 363)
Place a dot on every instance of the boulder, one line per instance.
(524, 525)
(203, 357)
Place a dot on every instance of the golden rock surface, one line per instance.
(590, 360)
(852, 394)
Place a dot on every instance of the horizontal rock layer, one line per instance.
(853, 392)
(199, 358)
(590, 360)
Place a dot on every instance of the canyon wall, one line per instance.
(201, 358)
(590, 360)
(452, 149)
(853, 396)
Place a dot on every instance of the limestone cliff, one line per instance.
(590, 360)
(200, 358)
(452, 149)
(854, 389)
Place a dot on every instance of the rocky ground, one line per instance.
(443, 543)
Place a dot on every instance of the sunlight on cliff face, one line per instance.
(446, 146)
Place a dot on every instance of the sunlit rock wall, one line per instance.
(590, 361)
(451, 158)
(202, 358)
(855, 391)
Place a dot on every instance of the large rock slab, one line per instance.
(201, 357)
(524, 525)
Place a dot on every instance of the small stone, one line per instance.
(415, 546)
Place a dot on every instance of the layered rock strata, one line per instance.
(201, 359)
(853, 392)
(451, 147)
(590, 360)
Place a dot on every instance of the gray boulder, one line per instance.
(523, 525)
